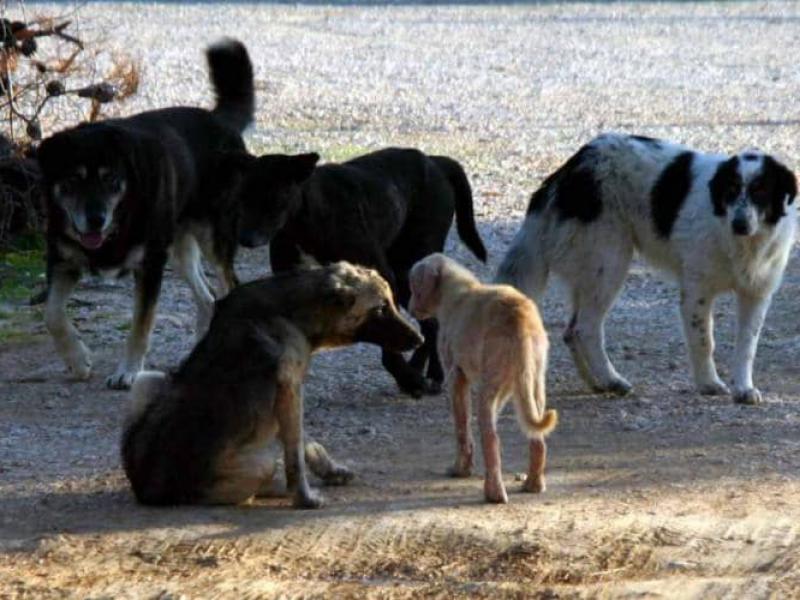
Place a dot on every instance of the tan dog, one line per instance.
(490, 336)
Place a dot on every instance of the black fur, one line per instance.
(770, 190)
(386, 210)
(572, 189)
(725, 186)
(669, 193)
(232, 78)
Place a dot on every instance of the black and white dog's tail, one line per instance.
(525, 265)
(232, 77)
(465, 216)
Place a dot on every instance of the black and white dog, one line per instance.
(124, 193)
(717, 223)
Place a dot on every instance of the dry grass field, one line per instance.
(661, 494)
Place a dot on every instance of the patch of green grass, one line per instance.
(22, 269)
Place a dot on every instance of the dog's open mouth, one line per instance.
(92, 240)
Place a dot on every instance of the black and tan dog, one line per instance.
(201, 434)
(385, 210)
(123, 193)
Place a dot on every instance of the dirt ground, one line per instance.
(663, 493)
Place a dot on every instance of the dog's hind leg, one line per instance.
(487, 400)
(242, 475)
(148, 287)
(595, 283)
(324, 467)
(68, 343)
(186, 254)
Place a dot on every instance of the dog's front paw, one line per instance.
(617, 386)
(751, 396)
(122, 379)
(713, 388)
(79, 361)
(308, 499)
(338, 475)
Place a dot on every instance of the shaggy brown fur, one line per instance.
(201, 434)
(490, 336)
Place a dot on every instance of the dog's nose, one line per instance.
(740, 227)
(95, 222)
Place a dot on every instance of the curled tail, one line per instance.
(465, 217)
(531, 401)
(231, 75)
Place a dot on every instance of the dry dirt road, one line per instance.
(661, 494)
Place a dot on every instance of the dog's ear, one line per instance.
(722, 185)
(785, 188)
(427, 277)
(339, 294)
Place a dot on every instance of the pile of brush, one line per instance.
(49, 79)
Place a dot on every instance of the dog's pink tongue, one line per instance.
(92, 241)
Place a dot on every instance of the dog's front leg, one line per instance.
(148, 287)
(698, 327)
(72, 350)
(752, 310)
(289, 410)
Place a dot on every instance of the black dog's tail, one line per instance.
(465, 217)
(232, 77)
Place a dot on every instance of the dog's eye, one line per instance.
(383, 309)
(733, 190)
(758, 190)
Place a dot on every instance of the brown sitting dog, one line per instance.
(490, 336)
(201, 434)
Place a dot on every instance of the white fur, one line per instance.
(702, 253)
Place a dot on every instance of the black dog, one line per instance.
(123, 193)
(385, 210)
(202, 434)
